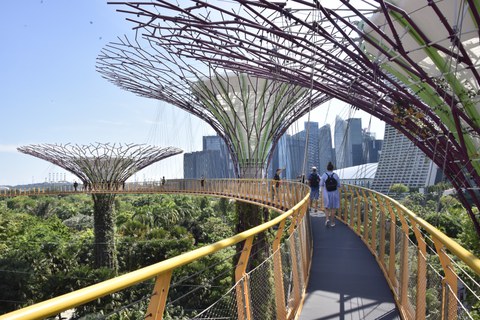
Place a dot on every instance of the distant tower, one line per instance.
(104, 168)
(355, 142)
(341, 143)
(325, 147)
(402, 162)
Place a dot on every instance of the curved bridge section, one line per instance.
(418, 261)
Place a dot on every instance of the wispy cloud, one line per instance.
(10, 148)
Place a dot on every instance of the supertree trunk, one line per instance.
(104, 229)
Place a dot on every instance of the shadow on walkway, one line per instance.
(345, 279)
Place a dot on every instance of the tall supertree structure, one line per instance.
(103, 169)
(249, 112)
(418, 75)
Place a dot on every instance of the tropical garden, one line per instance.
(46, 249)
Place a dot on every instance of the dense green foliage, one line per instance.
(46, 249)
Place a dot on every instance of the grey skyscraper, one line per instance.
(402, 162)
(295, 156)
(348, 140)
(340, 140)
(371, 147)
(212, 162)
(325, 147)
(354, 142)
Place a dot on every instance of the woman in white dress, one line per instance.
(330, 182)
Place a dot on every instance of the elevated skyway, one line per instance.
(324, 273)
(345, 280)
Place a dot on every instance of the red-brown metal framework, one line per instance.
(323, 48)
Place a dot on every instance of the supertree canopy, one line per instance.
(410, 63)
(101, 166)
(249, 112)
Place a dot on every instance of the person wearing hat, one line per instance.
(314, 183)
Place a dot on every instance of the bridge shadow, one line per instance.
(345, 280)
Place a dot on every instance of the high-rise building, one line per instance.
(354, 142)
(212, 162)
(371, 147)
(402, 162)
(340, 140)
(295, 155)
(326, 152)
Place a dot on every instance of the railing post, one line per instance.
(242, 291)
(158, 301)
(374, 222)
(421, 306)
(295, 272)
(358, 207)
(450, 280)
(366, 210)
(382, 230)
(278, 274)
(404, 266)
(391, 255)
(351, 208)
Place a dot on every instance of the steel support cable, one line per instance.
(307, 131)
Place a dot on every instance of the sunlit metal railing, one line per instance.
(291, 253)
(422, 266)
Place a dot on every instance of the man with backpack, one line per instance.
(314, 183)
(330, 182)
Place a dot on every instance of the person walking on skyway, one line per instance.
(314, 183)
(330, 183)
(276, 182)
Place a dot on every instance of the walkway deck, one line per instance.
(345, 280)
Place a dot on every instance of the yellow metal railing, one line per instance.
(291, 197)
(400, 241)
(405, 246)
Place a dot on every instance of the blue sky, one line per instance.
(51, 93)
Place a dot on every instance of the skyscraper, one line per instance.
(371, 147)
(340, 140)
(402, 162)
(212, 162)
(326, 153)
(354, 142)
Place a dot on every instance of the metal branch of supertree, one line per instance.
(249, 112)
(101, 164)
(419, 75)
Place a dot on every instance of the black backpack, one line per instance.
(331, 182)
(314, 180)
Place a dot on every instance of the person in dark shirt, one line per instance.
(314, 183)
(276, 182)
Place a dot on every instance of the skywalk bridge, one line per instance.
(313, 272)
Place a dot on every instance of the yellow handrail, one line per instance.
(70, 300)
(466, 256)
(394, 254)
(364, 210)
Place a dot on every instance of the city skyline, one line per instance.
(51, 93)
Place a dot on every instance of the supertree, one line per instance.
(103, 169)
(249, 112)
(419, 76)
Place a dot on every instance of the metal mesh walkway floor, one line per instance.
(345, 280)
